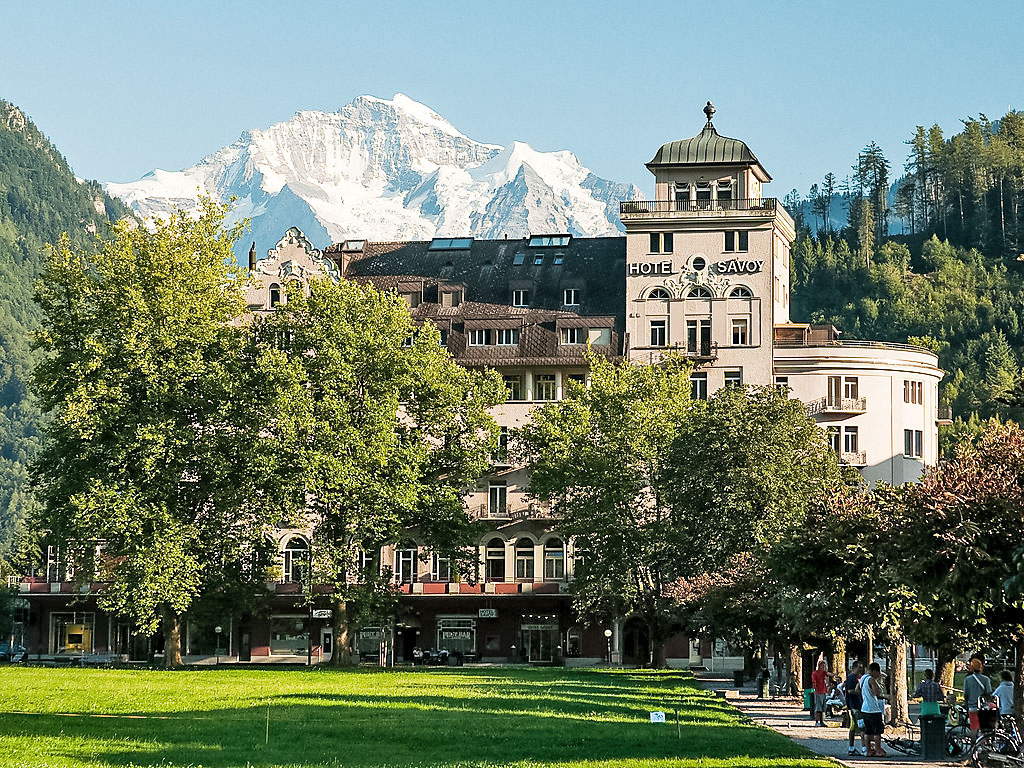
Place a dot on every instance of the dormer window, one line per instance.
(451, 298)
(412, 299)
(480, 337)
(724, 190)
(574, 335)
(548, 241)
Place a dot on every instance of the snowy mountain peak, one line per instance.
(386, 170)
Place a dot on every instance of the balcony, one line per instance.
(944, 417)
(826, 405)
(854, 458)
(530, 512)
(638, 210)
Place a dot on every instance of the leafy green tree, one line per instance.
(386, 432)
(600, 456)
(155, 473)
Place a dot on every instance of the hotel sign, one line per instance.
(487, 613)
(742, 266)
(651, 268)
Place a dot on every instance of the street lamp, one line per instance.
(218, 630)
(608, 639)
(513, 653)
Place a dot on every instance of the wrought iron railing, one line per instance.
(757, 205)
(837, 405)
(945, 414)
(854, 458)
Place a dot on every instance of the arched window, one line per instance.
(658, 293)
(405, 562)
(741, 292)
(275, 295)
(699, 292)
(524, 559)
(495, 560)
(554, 560)
(296, 560)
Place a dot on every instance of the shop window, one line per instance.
(554, 560)
(72, 632)
(495, 560)
(456, 635)
(524, 559)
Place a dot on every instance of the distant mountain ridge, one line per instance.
(386, 170)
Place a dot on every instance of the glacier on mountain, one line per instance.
(382, 169)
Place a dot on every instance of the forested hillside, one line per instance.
(40, 198)
(955, 283)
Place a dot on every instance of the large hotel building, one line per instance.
(703, 269)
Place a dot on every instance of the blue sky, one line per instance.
(124, 87)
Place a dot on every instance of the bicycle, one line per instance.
(959, 737)
(994, 746)
(909, 743)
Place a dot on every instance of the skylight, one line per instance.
(548, 241)
(518, 259)
(353, 245)
(451, 244)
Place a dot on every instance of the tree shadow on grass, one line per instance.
(420, 731)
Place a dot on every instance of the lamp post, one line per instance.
(608, 639)
(218, 630)
(513, 653)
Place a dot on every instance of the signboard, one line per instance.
(487, 613)
(321, 613)
(650, 268)
(740, 266)
(456, 634)
(657, 717)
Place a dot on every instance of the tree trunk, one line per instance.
(796, 664)
(839, 656)
(945, 661)
(870, 655)
(342, 656)
(900, 709)
(172, 639)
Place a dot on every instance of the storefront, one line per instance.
(540, 638)
(457, 635)
(289, 635)
(72, 633)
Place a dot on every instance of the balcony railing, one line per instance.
(529, 512)
(837, 405)
(944, 415)
(640, 209)
(854, 458)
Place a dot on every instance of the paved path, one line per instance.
(788, 718)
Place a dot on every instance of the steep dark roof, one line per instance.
(706, 148)
(487, 272)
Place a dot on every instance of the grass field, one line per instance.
(437, 717)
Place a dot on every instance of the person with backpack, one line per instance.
(976, 685)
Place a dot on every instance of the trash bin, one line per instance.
(737, 678)
(933, 737)
(762, 686)
(808, 699)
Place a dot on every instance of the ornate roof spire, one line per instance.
(709, 110)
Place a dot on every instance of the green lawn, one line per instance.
(443, 717)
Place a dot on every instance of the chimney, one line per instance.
(252, 256)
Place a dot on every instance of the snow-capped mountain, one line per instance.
(386, 170)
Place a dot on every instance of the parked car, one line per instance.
(13, 653)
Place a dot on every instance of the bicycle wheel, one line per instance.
(959, 741)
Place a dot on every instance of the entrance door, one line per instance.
(407, 640)
(539, 641)
(326, 643)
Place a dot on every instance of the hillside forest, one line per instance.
(952, 279)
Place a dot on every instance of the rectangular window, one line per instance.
(440, 568)
(918, 443)
(659, 333)
(920, 392)
(907, 387)
(288, 636)
(577, 378)
(451, 298)
(743, 240)
(442, 337)
(835, 391)
(739, 332)
(497, 497)
(521, 298)
(851, 388)
(913, 392)
(699, 386)
(734, 378)
(514, 385)
(724, 190)
(500, 453)
(405, 565)
(508, 337)
(661, 242)
(479, 337)
(730, 242)
(834, 435)
(908, 442)
(524, 562)
(782, 384)
(850, 441)
(554, 562)
(737, 241)
(544, 386)
(574, 335)
(571, 297)
(698, 337)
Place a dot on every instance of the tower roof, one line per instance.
(706, 148)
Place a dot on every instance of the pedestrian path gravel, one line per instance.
(788, 717)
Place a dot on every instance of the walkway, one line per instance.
(788, 718)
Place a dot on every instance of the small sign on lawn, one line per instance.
(657, 717)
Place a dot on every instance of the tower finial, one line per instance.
(709, 110)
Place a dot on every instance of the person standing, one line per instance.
(930, 694)
(976, 685)
(872, 709)
(819, 681)
(1005, 692)
(851, 687)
